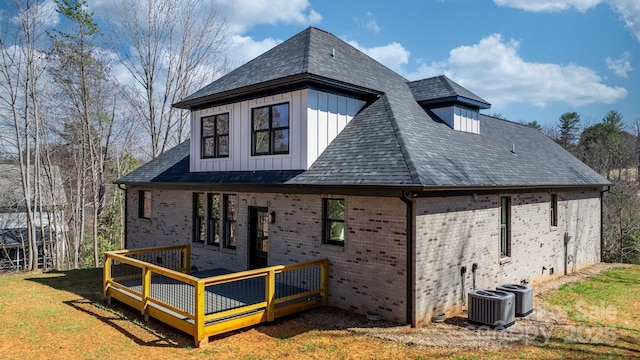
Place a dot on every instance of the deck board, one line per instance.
(218, 298)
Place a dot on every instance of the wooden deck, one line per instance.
(208, 303)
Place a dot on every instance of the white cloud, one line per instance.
(243, 14)
(243, 48)
(369, 23)
(393, 55)
(494, 68)
(549, 5)
(620, 66)
(629, 11)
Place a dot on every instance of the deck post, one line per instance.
(106, 275)
(146, 290)
(324, 282)
(199, 337)
(270, 294)
(185, 262)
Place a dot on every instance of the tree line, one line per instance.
(65, 109)
(612, 149)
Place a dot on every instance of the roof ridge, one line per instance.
(307, 50)
(413, 171)
(445, 82)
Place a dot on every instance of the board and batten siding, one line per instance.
(315, 119)
(459, 118)
(327, 116)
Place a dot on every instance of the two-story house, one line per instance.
(314, 150)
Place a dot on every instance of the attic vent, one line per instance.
(460, 118)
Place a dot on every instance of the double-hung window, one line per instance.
(213, 216)
(334, 221)
(553, 204)
(505, 227)
(270, 130)
(199, 214)
(144, 204)
(215, 136)
(230, 206)
(214, 219)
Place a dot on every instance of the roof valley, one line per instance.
(415, 177)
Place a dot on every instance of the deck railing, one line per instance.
(204, 307)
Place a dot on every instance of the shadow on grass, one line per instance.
(622, 348)
(319, 319)
(87, 284)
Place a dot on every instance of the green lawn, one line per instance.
(62, 315)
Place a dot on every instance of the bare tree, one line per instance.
(78, 70)
(170, 48)
(21, 68)
(621, 225)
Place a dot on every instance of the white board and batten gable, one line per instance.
(459, 118)
(315, 119)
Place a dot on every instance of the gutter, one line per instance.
(602, 220)
(126, 211)
(408, 198)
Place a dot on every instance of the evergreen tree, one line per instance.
(569, 127)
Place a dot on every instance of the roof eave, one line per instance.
(456, 99)
(361, 190)
(299, 80)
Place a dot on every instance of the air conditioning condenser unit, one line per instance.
(492, 308)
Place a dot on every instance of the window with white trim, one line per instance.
(505, 227)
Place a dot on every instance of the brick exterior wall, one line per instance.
(453, 232)
(369, 273)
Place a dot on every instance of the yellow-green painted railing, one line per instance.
(131, 281)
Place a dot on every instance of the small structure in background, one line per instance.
(48, 225)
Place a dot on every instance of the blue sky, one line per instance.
(533, 60)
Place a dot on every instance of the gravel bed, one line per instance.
(455, 333)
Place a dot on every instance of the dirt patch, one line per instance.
(455, 333)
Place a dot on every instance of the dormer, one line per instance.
(451, 103)
(283, 131)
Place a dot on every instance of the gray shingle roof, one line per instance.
(393, 141)
(173, 167)
(12, 194)
(378, 159)
(442, 89)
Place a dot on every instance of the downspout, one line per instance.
(408, 199)
(602, 220)
(126, 211)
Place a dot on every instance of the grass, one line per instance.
(63, 316)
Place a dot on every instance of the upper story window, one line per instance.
(144, 204)
(270, 130)
(215, 136)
